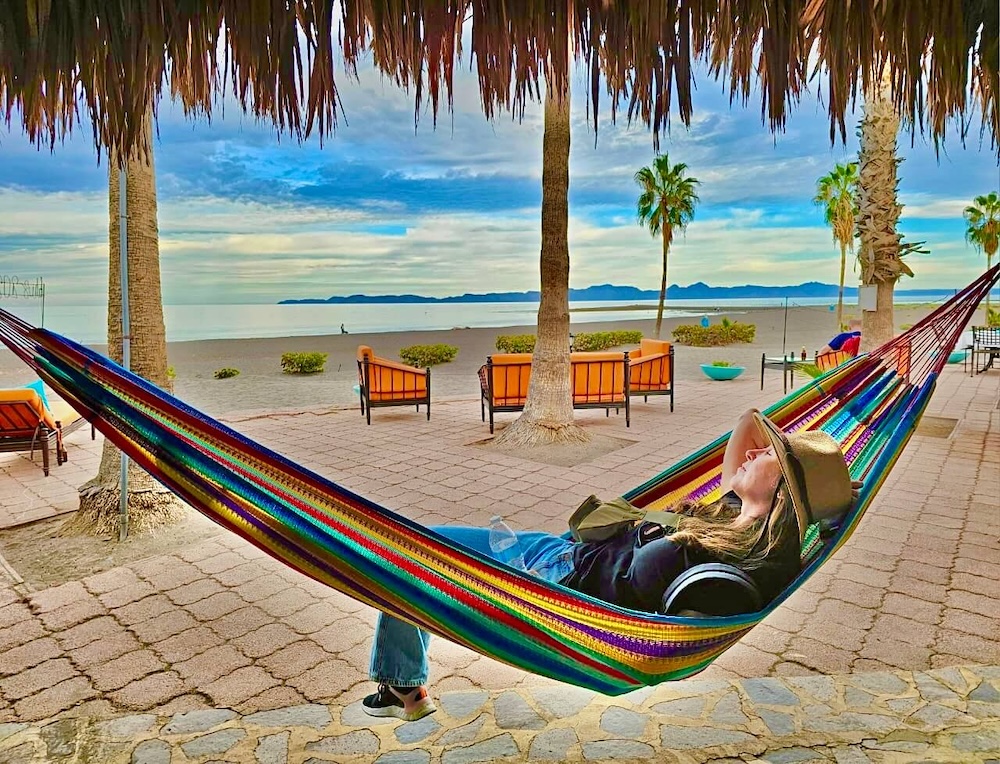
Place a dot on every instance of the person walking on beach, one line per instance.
(342, 329)
(774, 486)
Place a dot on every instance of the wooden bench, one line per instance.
(597, 380)
(382, 382)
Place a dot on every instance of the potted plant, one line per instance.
(720, 370)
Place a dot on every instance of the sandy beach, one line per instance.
(262, 386)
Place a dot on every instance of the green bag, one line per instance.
(597, 520)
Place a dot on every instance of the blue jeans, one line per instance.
(399, 650)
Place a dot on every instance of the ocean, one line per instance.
(88, 323)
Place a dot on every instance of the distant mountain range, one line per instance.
(608, 292)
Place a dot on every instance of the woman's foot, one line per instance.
(406, 703)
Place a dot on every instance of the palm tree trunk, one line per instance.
(149, 503)
(840, 294)
(548, 408)
(663, 280)
(878, 214)
(989, 264)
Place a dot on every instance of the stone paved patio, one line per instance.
(218, 624)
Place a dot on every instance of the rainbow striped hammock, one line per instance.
(870, 404)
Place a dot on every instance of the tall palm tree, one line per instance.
(548, 408)
(880, 254)
(665, 205)
(149, 503)
(982, 218)
(836, 191)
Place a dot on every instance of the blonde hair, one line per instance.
(713, 528)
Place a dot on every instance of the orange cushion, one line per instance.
(21, 410)
(650, 372)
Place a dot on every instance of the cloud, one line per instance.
(384, 206)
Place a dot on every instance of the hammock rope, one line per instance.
(870, 405)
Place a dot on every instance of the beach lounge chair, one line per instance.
(985, 344)
(27, 422)
(389, 383)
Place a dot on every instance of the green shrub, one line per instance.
(584, 342)
(226, 373)
(171, 372)
(993, 317)
(428, 355)
(723, 364)
(303, 363)
(588, 342)
(725, 333)
(516, 343)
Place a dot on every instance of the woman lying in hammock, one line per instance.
(774, 486)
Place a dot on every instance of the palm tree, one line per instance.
(983, 228)
(548, 408)
(666, 204)
(835, 191)
(880, 254)
(149, 503)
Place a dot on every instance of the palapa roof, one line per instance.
(110, 59)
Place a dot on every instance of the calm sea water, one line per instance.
(88, 323)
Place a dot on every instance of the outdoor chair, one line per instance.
(28, 422)
(985, 345)
(383, 382)
(651, 370)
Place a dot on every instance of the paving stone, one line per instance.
(414, 732)
(857, 698)
(464, 734)
(607, 750)
(25, 753)
(102, 650)
(6, 730)
(935, 717)
(985, 693)
(404, 757)
(37, 678)
(294, 659)
(213, 742)
(771, 692)
(151, 752)
(351, 744)
(126, 668)
(552, 745)
(685, 738)
(623, 722)
(272, 749)
(126, 727)
(931, 689)
(308, 715)
(150, 691)
(186, 645)
(851, 722)
(780, 724)
(467, 703)
(52, 700)
(239, 686)
(59, 738)
(563, 701)
(488, 750)
(18, 659)
(850, 754)
(789, 755)
(216, 662)
(880, 683)
(87, 632)
(354, 716)
(511, 711)
(686, 708)
(198, 721)
(729, 710)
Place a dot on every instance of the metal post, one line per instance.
(126, 334)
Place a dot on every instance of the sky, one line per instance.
(384, 207)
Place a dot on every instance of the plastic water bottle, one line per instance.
(503, 542)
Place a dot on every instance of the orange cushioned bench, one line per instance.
(598, 380)
(26, 422)
(389, 383)
(651, 370)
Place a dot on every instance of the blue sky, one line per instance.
(246, 215)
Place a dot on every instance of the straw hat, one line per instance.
(814, 470)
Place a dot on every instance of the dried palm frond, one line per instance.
(112, 59)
